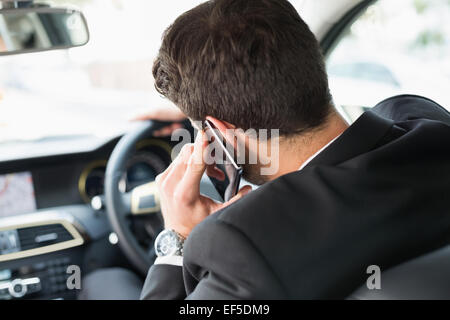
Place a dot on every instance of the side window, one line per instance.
(393, 47)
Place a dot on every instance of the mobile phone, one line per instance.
(225, 162)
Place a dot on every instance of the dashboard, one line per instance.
(29, 185)
(47, 222)
(151, 158)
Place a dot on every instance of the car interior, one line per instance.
(77, 176)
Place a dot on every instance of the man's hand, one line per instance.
(182, 205)
(164, 113)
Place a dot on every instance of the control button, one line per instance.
(60, 270)
(39, 266)
(5, 275)
(61, 262)
(33, 285)
(17, 289)
(4, 291)
(32, 288)
(52, 263)
(65, 260)
(98, 203)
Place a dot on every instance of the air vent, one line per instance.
(41, 236)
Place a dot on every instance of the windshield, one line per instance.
(92, 90)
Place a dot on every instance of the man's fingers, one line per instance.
(215, 206)
(163, 114)
(167, 131)
(180, 162)
(242, 192)
(196, 166)
(179, 168)
(214, 172)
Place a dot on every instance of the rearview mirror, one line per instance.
(41, 28)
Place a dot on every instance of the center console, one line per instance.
(35, 253)
(37, 280)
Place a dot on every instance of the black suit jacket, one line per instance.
(379, 195)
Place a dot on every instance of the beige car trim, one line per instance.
(141, 191)
(77, 240)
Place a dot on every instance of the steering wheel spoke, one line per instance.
(144, 199)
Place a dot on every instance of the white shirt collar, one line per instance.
(317, 153)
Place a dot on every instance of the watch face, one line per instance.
(167, 243)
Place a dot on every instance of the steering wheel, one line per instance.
(142, 200)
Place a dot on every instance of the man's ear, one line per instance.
(221, 125)
(225, 128)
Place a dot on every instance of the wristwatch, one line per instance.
(169, 243)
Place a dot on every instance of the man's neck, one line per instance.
(295, 151)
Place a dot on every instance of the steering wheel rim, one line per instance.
(116, 208)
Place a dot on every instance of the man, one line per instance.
(342, 198)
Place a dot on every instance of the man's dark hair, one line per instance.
(252, 63)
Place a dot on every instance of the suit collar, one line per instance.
(359, 138)
(304, 164)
